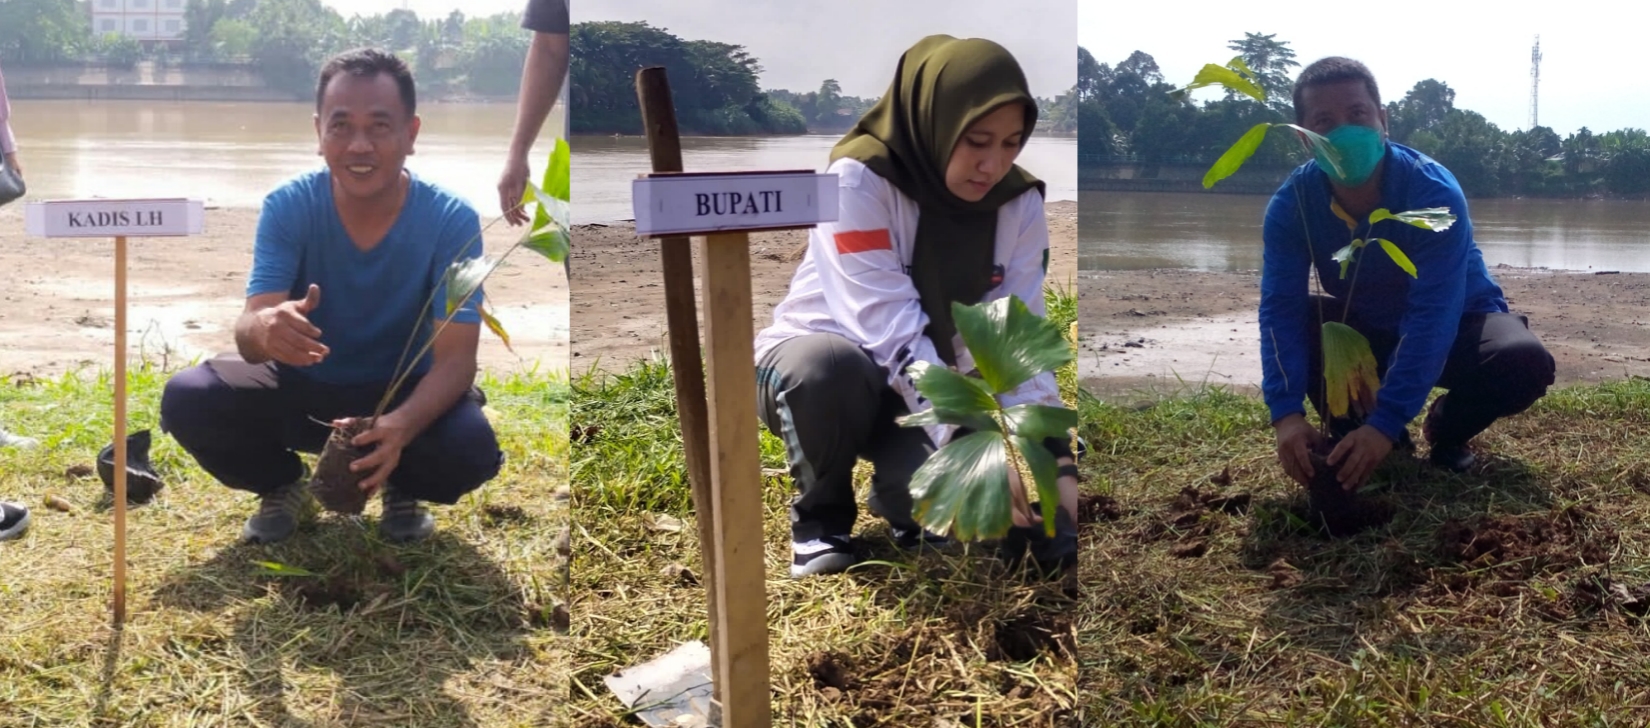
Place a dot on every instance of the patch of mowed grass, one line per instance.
(450, 632)
(918, 636)
(1389, 627)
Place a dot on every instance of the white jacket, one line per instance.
(855, 283)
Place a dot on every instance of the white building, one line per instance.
(150, 21)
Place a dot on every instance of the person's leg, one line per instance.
(232, 418)
(896, 453)
(821, 395)
(1496, 368)
(455, 455)
(14, 520)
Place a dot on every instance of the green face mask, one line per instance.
(1361, 148)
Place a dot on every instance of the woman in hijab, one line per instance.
(933, 210)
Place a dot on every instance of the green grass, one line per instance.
(1387, 628)
(921, 636)
(450, 632)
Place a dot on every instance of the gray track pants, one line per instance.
(832, 405)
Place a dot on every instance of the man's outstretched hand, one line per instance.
(1296, 438)
(283, 331)
(1357, 456)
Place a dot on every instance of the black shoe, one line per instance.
(14, 520)
(1454, 458)
(1052, 555)
(913, 538)
(827, 555)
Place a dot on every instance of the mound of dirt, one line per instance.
(1527, 545)
(1095, 508)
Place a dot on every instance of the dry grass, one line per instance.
(902, 640)
(451, 632)
(1510, 595)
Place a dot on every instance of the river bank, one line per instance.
(185, 293)
(618, 286)
(1153, 331)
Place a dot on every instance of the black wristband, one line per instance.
(1068, 471)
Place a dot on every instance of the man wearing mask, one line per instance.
(1451, 320)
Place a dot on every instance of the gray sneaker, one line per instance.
(404, 519)
(278, 513)
(14, 520)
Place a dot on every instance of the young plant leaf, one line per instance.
(275, 568)
(1236, 155)
(1436, 219)
(1213, 75)
(463, 279)
(1349, 370)
(1010, 344)
(1045, 474)
(1320, 145)
(1344, 257)
(1038, 421)
(1397, 256)
(956, 399)
(557, 185)
(551, 211)
(551, 242)
(494, 326)
(963, 489)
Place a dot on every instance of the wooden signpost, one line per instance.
(724, 464)
(118, 219)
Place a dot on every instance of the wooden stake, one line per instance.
(741, 626)
(120, 431)
(664, 145)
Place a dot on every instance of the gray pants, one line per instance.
(832, 405)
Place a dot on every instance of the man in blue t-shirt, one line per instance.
(1447, 327)
(344, 265)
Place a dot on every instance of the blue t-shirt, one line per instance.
(1425, 311)
(370, 301)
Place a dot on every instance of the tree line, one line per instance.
(1127, 113)
(716, 88)
(286, 41)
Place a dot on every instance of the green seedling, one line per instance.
(963, 488)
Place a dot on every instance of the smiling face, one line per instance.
(986, 152)
(365, 133)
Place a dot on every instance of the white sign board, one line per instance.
(682, 204)
(114, 218)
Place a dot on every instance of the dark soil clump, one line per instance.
(831, 670)
(1525, 546)
(337, 487)
(331, 591)
(1026, 636)
(497, 515)
(1093, 508)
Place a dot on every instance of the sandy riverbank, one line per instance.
(184, 295)
(618, 286)
(1140, 329)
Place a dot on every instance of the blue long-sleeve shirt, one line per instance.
(1425, 312)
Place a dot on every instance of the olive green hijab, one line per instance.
(942, 86)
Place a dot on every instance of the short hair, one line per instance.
(1333, 69)
(366, 63)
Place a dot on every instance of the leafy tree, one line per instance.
(41, 31)
(1271, 60)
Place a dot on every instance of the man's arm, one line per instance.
(541, 81)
